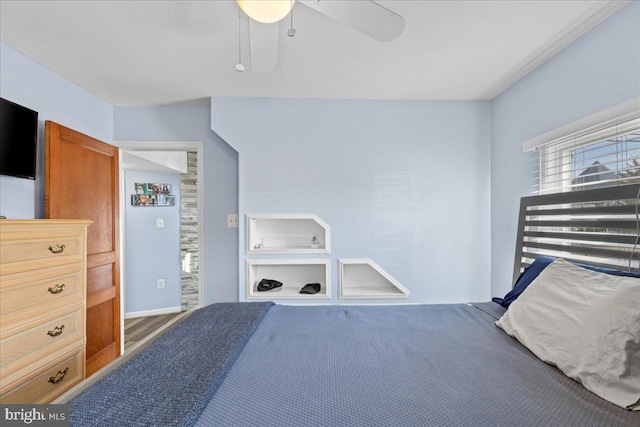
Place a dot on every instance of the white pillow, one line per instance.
(587, 324)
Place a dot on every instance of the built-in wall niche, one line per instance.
(286, 234)
(293, 274)
(364, 279)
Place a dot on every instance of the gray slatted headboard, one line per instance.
(597, 227)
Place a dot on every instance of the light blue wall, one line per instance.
(152, 253)
(418, 186)
(598, 71)
(29, 84)
(405, 183)
(219, 268)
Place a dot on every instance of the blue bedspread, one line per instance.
(171, 382)
(415, 365)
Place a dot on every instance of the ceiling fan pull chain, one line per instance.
(292, 31)
(239, 66)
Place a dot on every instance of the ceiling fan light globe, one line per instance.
(266, 11)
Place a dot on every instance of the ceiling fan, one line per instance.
(365, 16)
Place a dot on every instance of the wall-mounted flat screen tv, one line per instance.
(18, 140)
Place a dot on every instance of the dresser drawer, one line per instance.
(48, 382)
(20, 251)
(26, 295)
(31, 342)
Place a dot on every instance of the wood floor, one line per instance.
(135, 330)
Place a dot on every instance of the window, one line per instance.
(598, 151)
(604, 155)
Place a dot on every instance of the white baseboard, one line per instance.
(157, 312)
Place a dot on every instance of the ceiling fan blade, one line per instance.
(263, 46)
(365, 16)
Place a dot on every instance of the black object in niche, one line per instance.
(268, 284)
(310, 288)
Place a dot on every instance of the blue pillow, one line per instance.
(531, 272)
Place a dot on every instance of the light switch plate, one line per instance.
(159, 223)
(232, 220)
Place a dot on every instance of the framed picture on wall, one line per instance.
(152, 194)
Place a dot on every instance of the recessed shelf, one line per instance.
(293, 274)
(363, 278)
(286, 234)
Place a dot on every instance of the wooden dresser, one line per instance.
(42, 308)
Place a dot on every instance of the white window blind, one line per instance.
(601, 156)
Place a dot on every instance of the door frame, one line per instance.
(198, 147)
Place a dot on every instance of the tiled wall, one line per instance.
(189, 233)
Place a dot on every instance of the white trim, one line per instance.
(559, 43)
(123, 265)
(198, 147)
(627, 110)
(156, 312)
(159, 145)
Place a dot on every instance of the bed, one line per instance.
(261, 364)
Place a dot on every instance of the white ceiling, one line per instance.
(166, 52)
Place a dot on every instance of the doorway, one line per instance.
(191, 248)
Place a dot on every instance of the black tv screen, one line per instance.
(18, 140)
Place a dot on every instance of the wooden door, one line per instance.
(81, 182)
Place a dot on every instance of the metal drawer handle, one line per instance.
(56, 331)
(59, 376)
(56, 249)
(56, 289)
